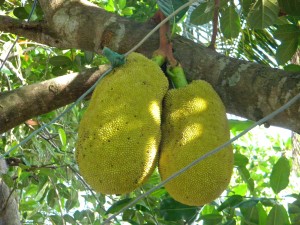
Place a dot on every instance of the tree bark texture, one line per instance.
(29, 101)
(247, 89)
(9, 214)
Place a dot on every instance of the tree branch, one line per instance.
(248, 89)
(29, 101)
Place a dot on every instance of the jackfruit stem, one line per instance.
(177, 76)
(158, 57)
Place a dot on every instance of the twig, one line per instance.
(59, 203)
(11, 67)
(215, 25)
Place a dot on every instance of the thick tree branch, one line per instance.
(37, 31)
(29, 101)
(248, 89)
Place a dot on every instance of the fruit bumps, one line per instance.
(194, 123)
(119, 134)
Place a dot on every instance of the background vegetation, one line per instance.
(44, 176)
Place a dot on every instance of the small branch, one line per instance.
(215, 25)
(7, 81)
(165, 44)
(59, 202)
(11, 67)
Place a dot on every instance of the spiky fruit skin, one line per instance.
(119, 133)
(194, 123)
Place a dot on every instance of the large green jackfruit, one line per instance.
(119, 133)
(194, 123)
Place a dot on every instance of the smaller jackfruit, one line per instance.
(119, 133)
(194, 123)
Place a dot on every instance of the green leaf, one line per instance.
(230, 222)
(89, 56)
(169, 6)
(62, 137)
(230, 23)
(20, 13)
(292, 68)
(63, 191)
(142, 208)
(203, 13)
(1, 2)
(250, 214)
(9, 181)
(51, 198)
(249, 203)
(294, 211)
(132, 222)
(121, 4)
(286, 50)
(211, 219)
(58, 71)
(209, 209)
(294, 207)
(240, 189)
(268, 202)
(172, 210)
(287, 32)
(60, 60)
(128, 214)
(28, 8)
(291, 7)
(128, 11)
(262, 214)
(246, 5)
(263, 14)
(69, 219)
(278, 216)
(238, 125)
(230, 202)
(289, 35)
(246, 177)
(279, 179)
(72, 201)
(117, 206)
(240, 160)
(56, 219)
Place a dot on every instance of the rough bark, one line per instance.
(9, 214)
(29, 101)
(248, 89)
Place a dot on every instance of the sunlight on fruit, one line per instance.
(191, 133)
(194, 106)
(155, 111)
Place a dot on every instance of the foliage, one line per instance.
(244, 21)
(43, 172)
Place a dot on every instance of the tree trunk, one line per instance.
(9, 214)
(247, 89)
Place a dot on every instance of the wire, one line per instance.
(159, 25)
(214, 151)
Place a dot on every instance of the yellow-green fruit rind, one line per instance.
(119, 134)
(194, 123)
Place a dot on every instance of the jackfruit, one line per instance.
(119, 133)
(193, 123)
